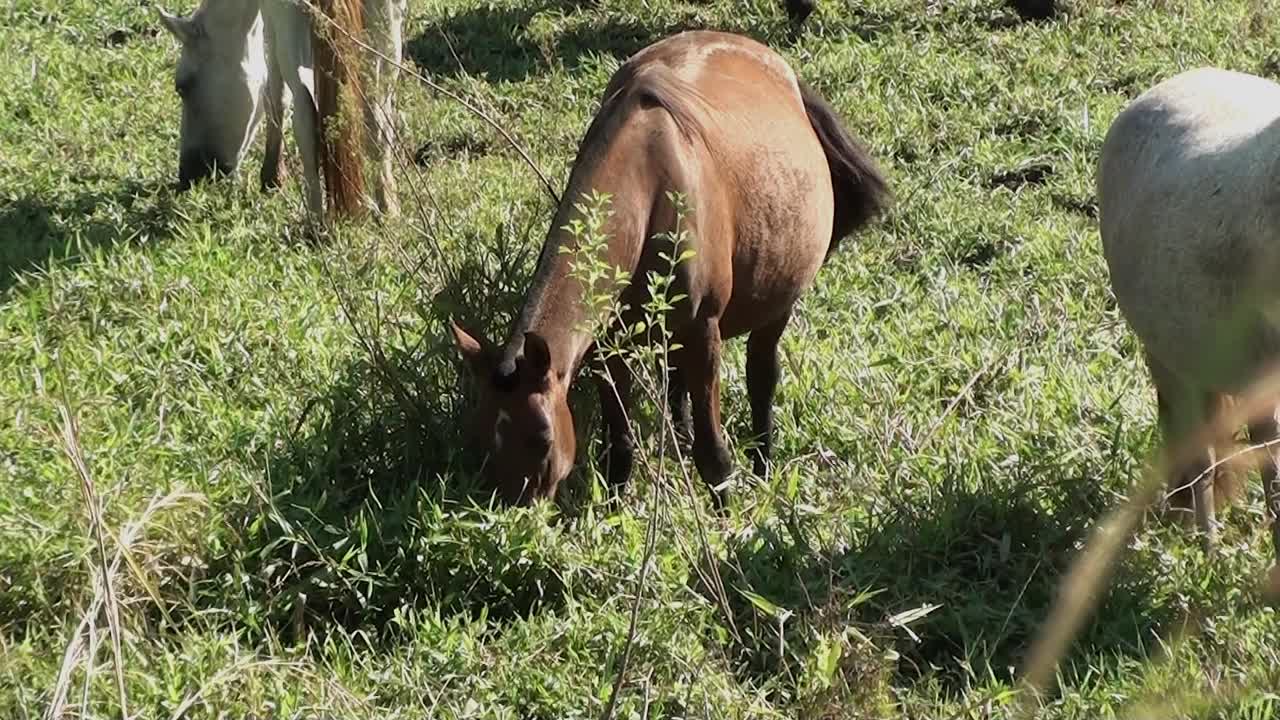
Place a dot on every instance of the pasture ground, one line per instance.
(271, 424)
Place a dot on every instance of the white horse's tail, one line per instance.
(338, 95)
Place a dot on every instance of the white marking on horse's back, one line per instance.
(764, 56)
(760, 54)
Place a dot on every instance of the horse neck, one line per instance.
(237, 29)
(555, 306)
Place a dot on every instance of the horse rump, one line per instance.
(858, 185)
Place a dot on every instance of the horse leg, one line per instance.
(1268, 432)
(762, 381)
(273, 160)
(305, 118)
(678, 402)
(618, 452)
(701, 356)
(385, 22)
(291, 54)
(798, 10)
(1182, 410)
(1202, 491)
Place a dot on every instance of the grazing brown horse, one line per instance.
(771, 181)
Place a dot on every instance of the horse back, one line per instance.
(1190, 163)
(1189, 211)
(744, 154)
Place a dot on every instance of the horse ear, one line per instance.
(537, 354)
(473, 351)
(183, 28)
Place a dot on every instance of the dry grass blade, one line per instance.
(4, 662)
(650, 543)
(71, 445)
(955, 402)
(70, 660)
(86, 631)
(651, 538)
(227, 673)
(1088, 575)
(343, 700)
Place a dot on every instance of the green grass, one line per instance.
(960, 399)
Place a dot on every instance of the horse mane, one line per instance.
(654, 85)
(337, 83)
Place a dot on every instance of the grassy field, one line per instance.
(272, 424)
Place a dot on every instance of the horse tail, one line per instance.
(860, 189)
(337, 82)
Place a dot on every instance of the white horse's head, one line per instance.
(221, 77)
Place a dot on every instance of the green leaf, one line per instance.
(765, 606)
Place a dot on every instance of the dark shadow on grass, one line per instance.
(991, 558)
(494, 43)
(35, 229)
(487, 41)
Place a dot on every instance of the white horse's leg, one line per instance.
(273, 161)
(1268, 431)
(384, 23)
(305, 119)
(1183, 409)
(290, 30)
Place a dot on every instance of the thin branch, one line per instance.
(649, 545)
(955, 402)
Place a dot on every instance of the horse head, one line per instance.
(522, 416)
(220, 78)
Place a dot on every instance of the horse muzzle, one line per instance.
(196, 165)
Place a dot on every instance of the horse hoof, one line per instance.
(1034, 9)
(799, 10)
(720, 497)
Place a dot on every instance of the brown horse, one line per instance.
(772, 182)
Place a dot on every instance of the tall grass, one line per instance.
(249, 443)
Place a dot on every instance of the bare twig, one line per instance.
(647, 560)
(955, 402)
(1217, 463)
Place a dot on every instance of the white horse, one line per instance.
(238, 59)
(1189, 203)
